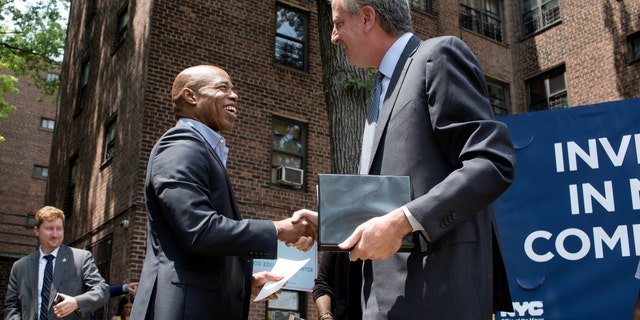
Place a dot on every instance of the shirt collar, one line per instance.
(214, 139)
(392, 56)
(54, 253)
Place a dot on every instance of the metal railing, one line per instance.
(484, 23)
(533, 20)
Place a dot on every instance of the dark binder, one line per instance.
(346, 201)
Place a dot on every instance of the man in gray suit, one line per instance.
(76, 282)
(198, 263)
(436, 126)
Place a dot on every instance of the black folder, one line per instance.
(346, 201)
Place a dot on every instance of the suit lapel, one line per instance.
(33, 270)
(398, 77)
(236, 210)
(63, 259)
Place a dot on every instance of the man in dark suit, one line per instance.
(198, 262)
(436, 126)
(76, 280)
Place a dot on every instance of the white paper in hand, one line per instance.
(285, 267)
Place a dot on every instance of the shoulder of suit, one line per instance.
(65, 250)
(34, 256)
(443, 39)
(442, 45)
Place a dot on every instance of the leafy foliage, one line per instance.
(32, 35)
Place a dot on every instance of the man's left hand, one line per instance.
(66, 306)
(258, 281)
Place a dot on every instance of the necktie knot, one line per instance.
(49, 257)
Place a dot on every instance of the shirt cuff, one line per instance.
(415, 224)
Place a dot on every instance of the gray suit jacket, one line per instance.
(75, 274)
(198, 262)
(436, 125)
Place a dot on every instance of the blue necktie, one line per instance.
(46, 287)
(372, 120)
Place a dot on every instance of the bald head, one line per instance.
(194, 78)
(205, 93)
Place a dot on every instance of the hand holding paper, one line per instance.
(285, 267)
(259, 279)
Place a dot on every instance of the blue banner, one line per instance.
(570, 222)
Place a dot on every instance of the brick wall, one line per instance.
(133, 83)
(590, 40)
(21, 194)
(26, 146)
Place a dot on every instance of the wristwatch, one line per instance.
(327, 315)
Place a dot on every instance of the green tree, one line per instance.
(32, 35)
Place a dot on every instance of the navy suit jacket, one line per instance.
(437, 126)
(75, 274)
(198, 262)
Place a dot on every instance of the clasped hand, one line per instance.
(299, 231)
(375, 239)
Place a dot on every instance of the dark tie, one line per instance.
(46, 287)
(372, 120)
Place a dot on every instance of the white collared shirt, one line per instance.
(390, 60)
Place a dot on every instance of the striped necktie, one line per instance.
(372, 120)
(46, 287)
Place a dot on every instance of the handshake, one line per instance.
(299, 231)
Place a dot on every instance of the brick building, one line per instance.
(24, 166)
(121, 57)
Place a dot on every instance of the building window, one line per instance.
(538, 14)
(634, 46)
(498, 96)
(40, 172)
(31, 222)
(70, 198)
(292, 34)
(288, 306)
(547, 91)
(483, 17)
(47, 124)
(288, 153)
(422, 5)
(109, 140)
(83, 87)
(123, 26)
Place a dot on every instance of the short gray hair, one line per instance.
(394, 16)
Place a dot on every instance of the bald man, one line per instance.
(198, 263)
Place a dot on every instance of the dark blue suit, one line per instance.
(198, 262)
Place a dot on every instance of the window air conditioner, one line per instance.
(289, 176)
